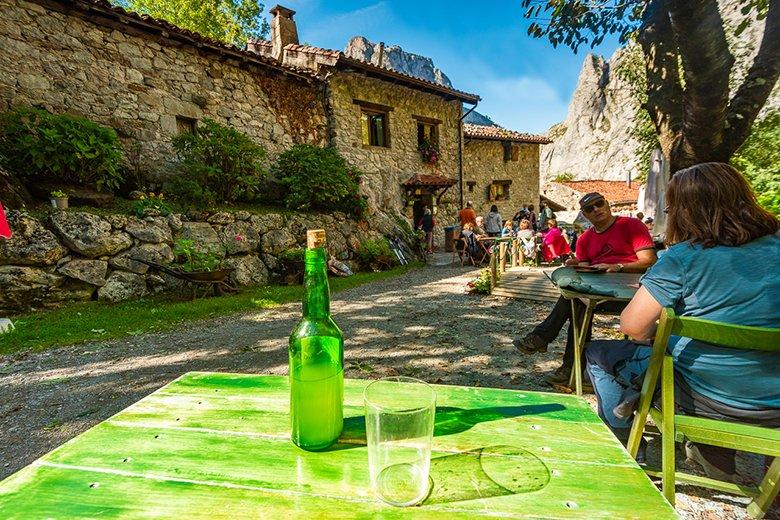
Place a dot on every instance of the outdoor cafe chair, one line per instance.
(726, 434)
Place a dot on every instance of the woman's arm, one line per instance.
(640, 318)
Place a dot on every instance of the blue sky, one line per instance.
(524, 83)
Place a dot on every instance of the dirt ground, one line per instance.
(421, 324)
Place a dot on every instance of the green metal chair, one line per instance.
(678, 428)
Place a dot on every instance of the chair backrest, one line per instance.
(741, 337)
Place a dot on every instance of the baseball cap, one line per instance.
(589, 198)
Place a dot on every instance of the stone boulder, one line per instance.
(274, 242)
(223, 217)
(22, 288)
(121, 286)
(248, 270)
(174, 221)
(267, 222)
(90, 271)
(88, 234)
(70, 290)
(203, 235)
(154, 230)
(240, 237)
(31, 244)
(157, 253)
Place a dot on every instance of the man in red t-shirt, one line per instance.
(467, 215)
(613, 243)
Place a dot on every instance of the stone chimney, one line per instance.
(283, 30)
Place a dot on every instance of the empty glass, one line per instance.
(399, 427)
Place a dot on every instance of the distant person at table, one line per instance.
(554, 246)
(467, 215)
(709, 271)
(426, 224)
(479, 227)
(520, 215)
(545, 214)
(614, 244)
(532, 218)
(527, 239)
(508, 229)
(493, 222)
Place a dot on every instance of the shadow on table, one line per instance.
(449, 420)
(484, 473)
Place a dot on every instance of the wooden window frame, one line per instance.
(505, 185)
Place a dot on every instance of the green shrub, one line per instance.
(480, 284)
(192, 257)
(39, 145)
(319, 178)
(375, 255)
(218, 163)
(758, 159)
(564, 177)
(153, 205)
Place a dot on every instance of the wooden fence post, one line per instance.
(502, 257)
(493, 275)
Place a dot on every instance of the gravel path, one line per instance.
(421, 324)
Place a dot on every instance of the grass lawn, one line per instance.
(90, 321)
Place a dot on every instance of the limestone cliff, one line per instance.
(594, 141)
(394, 57)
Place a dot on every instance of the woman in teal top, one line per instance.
(721, 265)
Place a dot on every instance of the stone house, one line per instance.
(151, 80)
(501, 167)
(621, 195)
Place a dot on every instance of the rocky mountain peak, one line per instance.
(397, 59)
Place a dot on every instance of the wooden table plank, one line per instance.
(217, 446)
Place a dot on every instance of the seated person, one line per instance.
(554, 245)
(507, 230)
(479, 228)
(710, 271)
(527, 238)
(613, 243)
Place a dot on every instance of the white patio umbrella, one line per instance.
(654, 199)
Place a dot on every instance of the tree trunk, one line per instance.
(664, 91)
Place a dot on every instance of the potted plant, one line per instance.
(429, 152)
(59, 199)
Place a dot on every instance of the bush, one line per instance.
(195, 258)
(480, 284)
(39, 145)
(375, 255)
(758, 160)
(151, 205)
(564, 177)
(218, 163)
(319, 178)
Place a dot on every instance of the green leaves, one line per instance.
(218, 163)
(39, 145)
(319, 178)
(229, 21)
(758, 159)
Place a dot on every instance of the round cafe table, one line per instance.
(592, 289)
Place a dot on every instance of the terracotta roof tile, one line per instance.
(168, 29)
(613, 191)
(501, 134)
(427, 179)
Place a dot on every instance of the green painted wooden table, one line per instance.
(212, 445)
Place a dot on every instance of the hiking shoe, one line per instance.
(530, 344)
(560, 376)
(693, 453)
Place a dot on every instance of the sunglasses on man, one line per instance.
(590, 207)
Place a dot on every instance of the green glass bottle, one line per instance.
(316, 358)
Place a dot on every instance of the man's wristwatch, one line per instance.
(620, 267)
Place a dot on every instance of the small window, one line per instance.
(471, 185)
(427, 133)
(511, 151)
(374, 128)
(499, 190)
(185, 125)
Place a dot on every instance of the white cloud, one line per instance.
(525, 104)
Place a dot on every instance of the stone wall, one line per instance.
(139, 83)
(387, 167)
(77, 256)
(483, 162)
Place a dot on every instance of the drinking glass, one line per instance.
(399, 427)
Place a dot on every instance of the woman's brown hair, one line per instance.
(712, 204)
(525, 224)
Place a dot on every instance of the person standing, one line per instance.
(613, 243)
(532, 218)
(427, 223)
(493, 222)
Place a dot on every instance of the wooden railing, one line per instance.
(498, 261)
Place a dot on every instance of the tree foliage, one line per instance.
(759, 160)
(229, 21)
(695, 114)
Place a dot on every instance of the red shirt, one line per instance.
(617, 244)
(467, 215)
